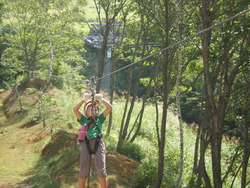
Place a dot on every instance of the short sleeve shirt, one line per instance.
(93, 130)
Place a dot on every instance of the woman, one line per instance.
(94, 121)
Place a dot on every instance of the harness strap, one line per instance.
(97, 141)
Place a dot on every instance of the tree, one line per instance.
(128, 110)
(113, 13)
(32, 25)
(246, 152)
(113, 9)
(180, 119)
(220, 71)
(161, 25)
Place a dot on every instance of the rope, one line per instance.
(177, 43)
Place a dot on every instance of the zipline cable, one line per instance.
(151, 55)
(175, 44)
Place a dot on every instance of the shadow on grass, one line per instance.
(58, 165)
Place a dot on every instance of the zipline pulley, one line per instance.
(92, 85)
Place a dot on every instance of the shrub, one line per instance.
(190, 109)
(132, 150)
(145, 175)
(110, 143)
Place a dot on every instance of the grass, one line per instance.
(57, 167)
(16, 159)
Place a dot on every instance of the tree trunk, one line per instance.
(136, 86)
(216, 132)
(125, 123)
(112, 85)
(101, 61)
(136, 120)
(51, 54)
(162, 137)
(110, 18)
(196, 149)
(18, 96)
(105, 29)
(205, 139)
(178, 182)
(246, 148)
(216, 138)
(165, 92)
(142, 110)
(121, 139)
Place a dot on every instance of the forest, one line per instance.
(154, 60)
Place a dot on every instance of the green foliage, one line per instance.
(57, 167)
(91, 67)
(171, 164)
(110, 143)
(132, 150)
(145, 175)
(38, 31)
(43, 179)
(22, 80)
(231, 152)
(191, 110)
(58, 82)
(26, 31)
(64, 103)
(31, 90)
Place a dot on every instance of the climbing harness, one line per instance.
(97, 141)
(91, 120)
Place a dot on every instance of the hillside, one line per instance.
(31, 154)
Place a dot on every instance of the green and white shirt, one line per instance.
(92, 130)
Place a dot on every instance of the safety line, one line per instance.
(175, 44)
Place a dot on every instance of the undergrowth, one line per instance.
(58, 165)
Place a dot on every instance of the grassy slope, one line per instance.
(20, 147)
(17, 158)
(32, 152)
(29, 152)
(17, 153)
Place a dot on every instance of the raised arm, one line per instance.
(76, 108)
(108, 108)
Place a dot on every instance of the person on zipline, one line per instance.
(92, 145)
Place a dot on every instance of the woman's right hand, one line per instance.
(87, 96)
